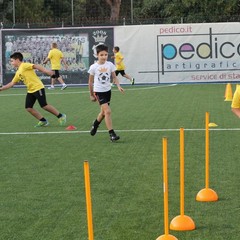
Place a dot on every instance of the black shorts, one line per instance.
(56, 73)
(103, 97)
(122, 72)
(38, 95)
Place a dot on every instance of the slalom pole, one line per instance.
(166, 235)
(207, 194)
(88, 200)
(182, 222)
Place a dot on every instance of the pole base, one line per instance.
(182, 223)
(207, 195)
(167, 237)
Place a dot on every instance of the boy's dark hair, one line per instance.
(101, 47)
(116, 48)
(17, 55)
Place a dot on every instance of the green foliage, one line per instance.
(144, 11)
(189, 10)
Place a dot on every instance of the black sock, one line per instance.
(59, 115)
(96, 123)
(111, 132)
(43, 119)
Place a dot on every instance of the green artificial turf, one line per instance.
(42, 193)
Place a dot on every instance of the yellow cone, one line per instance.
(212, 125)
(228, 93)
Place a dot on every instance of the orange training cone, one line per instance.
(71, 128)
(228, 93)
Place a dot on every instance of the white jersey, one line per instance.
(102, 76)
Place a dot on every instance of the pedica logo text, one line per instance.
(199, 52)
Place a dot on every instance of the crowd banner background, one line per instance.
(77, 44)
(170, 53)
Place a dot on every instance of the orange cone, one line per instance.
(71, 128)
(228, 93)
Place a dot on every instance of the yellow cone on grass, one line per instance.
(228, 93)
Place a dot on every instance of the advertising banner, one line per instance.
(199, 53)
(181, 53)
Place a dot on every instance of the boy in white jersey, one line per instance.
(100, 74)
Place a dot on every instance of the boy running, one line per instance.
(35, 89)
(100, 74)
(120, 64)
(55, 56)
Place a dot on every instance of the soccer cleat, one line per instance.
(51, 88)
(62, 120)
(93, 130)
(114, 137)
(64, 87)
(42, 124)
(133, 81)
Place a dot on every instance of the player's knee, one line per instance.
(29, 110)
(45, 107)
(107, 111)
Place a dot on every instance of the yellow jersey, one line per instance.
(118, 58)
(55, 56)
(27, 75)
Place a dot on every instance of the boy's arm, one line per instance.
(90, 87)
(43, 70)
(116, 81)
(46, 60)
(7, 86)
(65, 63)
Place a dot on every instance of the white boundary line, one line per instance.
(125, 130)
(59, 92)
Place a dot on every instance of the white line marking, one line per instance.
(123, 130)
(86, 91)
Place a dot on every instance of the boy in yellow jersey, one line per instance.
(35, 89)
(236, 102)
(120, 64)
(55, 56)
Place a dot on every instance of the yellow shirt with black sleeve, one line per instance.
(27, 75)
(118, 58)
(55, 56)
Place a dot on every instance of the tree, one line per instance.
(115, 9)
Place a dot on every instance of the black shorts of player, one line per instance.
(103, 97)
(122, 72)
(56, 73)
(38, 95)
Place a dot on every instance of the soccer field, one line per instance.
(42, 180)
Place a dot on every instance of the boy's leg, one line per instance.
(41, 97)
(108, 120)
(52, 83)
(51, 109)
(96, 123)
(106, 110)
(132, 80)
(60, 79)
(29, 103)
(35, 113)
(236, 111)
